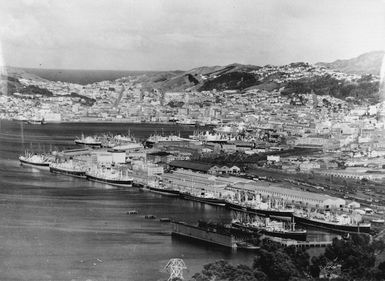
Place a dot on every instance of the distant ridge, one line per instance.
(368, 63)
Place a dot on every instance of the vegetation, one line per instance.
(230, 81)
(355, 257)
(86, 100)
(35, 90)
(364, 89)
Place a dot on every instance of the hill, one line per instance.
(368, 63)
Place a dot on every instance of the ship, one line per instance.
(68, 168)
(159, 187)
(271, 228)
(345, 223)
(36, 121)
(91, 141)
(255, 205)
(157, 138)
(204, 197)
(35, 160)
(109, 176)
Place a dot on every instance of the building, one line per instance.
(291, 196)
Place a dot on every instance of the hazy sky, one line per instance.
(181, 34)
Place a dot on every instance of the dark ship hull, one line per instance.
(347, 228)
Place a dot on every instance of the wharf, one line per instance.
(299, 244)
(214, 234)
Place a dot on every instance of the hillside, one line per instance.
(368, 63)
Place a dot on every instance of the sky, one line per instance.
(182, 34)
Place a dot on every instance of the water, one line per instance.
(83, 76)
(55, 227)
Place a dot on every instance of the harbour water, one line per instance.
(55, 227)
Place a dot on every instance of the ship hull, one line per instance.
(122, 183)
(332, 227)
(260, 212)
(295, 235)
(96, 144)
(72, 173)
(168, 192)
(211, 201)
(33, 164)
(273, 213)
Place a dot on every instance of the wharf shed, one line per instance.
(304, 198)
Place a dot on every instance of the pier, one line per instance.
(299, 244)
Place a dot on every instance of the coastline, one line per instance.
(117, 121)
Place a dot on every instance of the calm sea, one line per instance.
(61, 228)
(82, 76)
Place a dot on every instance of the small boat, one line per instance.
(378, 220)
(165, 220)
(132, 212)
(150, 217)
(247, 246)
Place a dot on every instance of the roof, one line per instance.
(195, 166)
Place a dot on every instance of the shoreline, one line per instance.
(107, 122)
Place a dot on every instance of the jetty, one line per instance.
(298, 244)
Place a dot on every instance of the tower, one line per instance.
(175, 268)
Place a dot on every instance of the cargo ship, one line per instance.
(109, 176)
(271, 228)
(272, 208)
(35, 160)
(158, 138)
(204, 197)
(68, 168)
(159, 187)
(345, 223)
(91, 141)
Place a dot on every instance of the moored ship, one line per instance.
(159, 187)
(68, 168)
(204, 197)
(346, 223)
(109, 176)
(91, 141)
(36, 160)
(255, 205)
(272, 228)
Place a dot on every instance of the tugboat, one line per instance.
(345, 223)
(110, 176)
(35, 160)
(70, 168)
(90, 141)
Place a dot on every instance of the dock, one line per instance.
(215, 234)
(299, 244)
